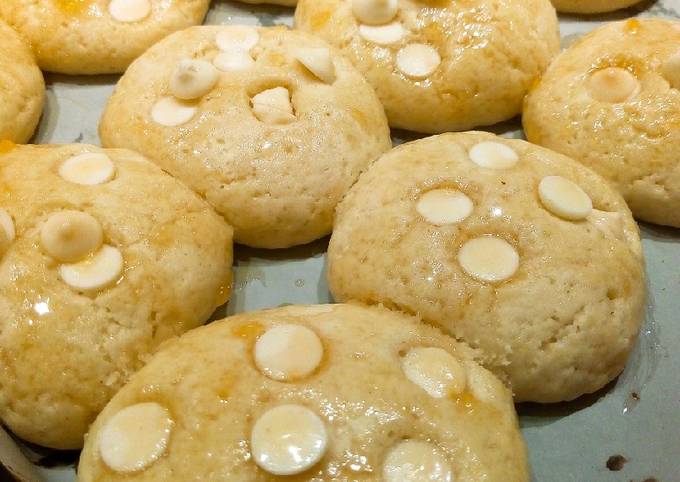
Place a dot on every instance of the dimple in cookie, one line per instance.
(273, 398)
(520, 252)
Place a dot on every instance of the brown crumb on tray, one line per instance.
(616, 462)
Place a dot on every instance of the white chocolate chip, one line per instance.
(434, 370)
(193, 79)
(319, 62)
(69, 236)
(564, 198)
(383, 34)
(129, 10)
(416, 461)
(237, 37)
(135, 437)
(7, 225)
(418, 61)
(273, 106)
(288, 439)
(488, 258)
(613, 85)
(375, 12)
(671, 70)
(288, 352)
(444, 206)
(609, 223)
(483, 385)
(172, 112)
(233, 61)
(493, 155)
(88, 169)
(95, 272)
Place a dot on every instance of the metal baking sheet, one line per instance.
(637, 416)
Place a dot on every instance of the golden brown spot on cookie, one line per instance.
(73, 7)
(320, 19)
(249, 331)
(433, 33)
(622, 61)
(437, 3)
(224, 388)
(223, 293)
(360, 118)
(6, 146)
(632, 26)
(277, 59)
(465, 399)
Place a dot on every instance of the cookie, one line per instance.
(22, 94)
(326, 392)
(270, 125)
(441, 65)
(519, 251)
(591, 6)
(612, 102)
(103, 257)
(97, 36)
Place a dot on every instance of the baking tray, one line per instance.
(636, 417)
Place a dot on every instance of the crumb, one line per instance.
(616, 463)
(635, 395)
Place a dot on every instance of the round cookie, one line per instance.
(354, 393)
(276, 128)
(612, 102)
(441, 65)
(97, 36)
(591, 6)
(516, 250)
(22, 89)
(103, 257)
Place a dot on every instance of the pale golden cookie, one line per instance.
(97, 36)
(370, 395)
(274, 128)
(103, 257)
(441, 65)
(591, 6)
(22, 89)
(516, 250)
(612, 102)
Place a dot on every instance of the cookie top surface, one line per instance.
(271, 142)
(370, 394)
(104, 256)
(591, 6)
(97, 36)
(441, 65)
(518, 251)
(612, 101)
(23, 90)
